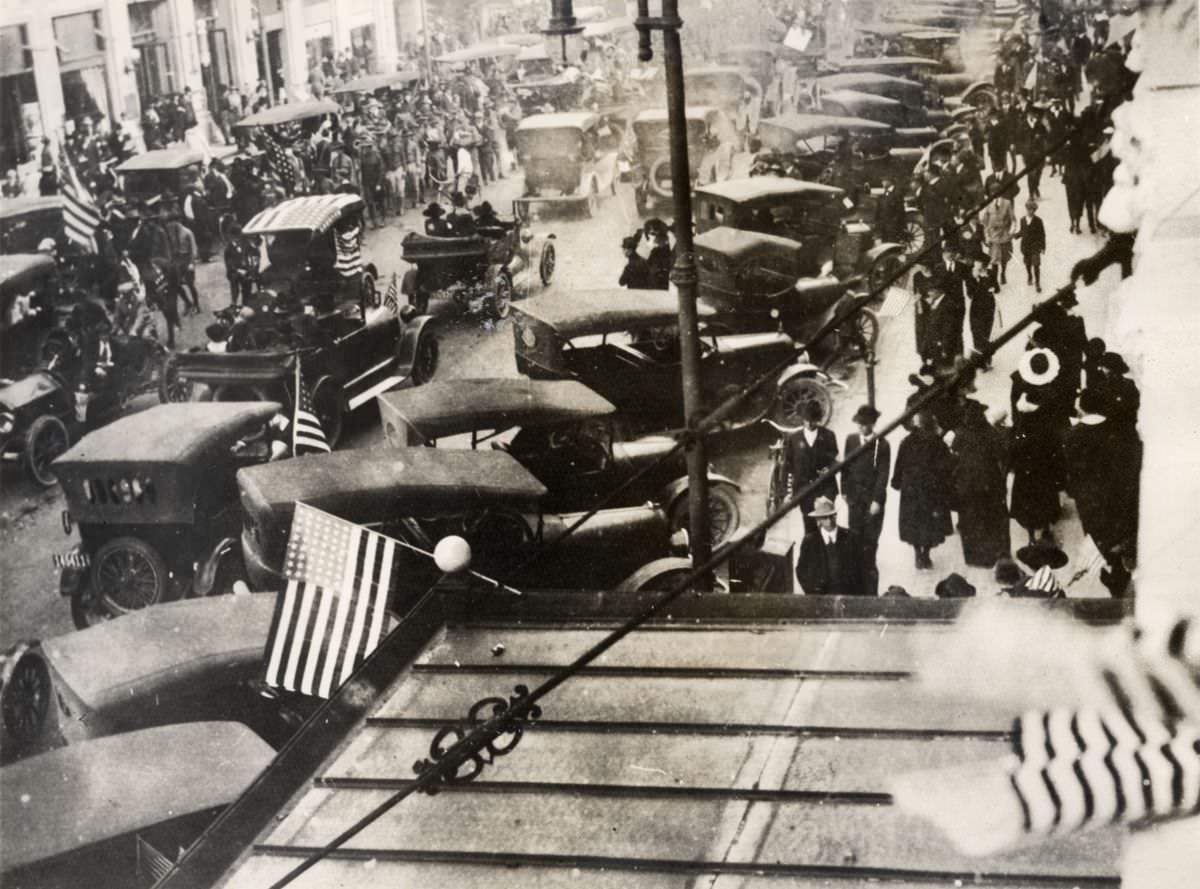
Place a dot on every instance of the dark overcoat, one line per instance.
(922, 475)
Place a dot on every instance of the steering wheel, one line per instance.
(558, 438)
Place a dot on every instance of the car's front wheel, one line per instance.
(885, 273)
(426, 361)
(25, 695)
(546, 266)
(128, 574)
(330, 408)
(502, 293)
(724, 513)
(794, 397)
(172, 388)
(46, 440)
(660, 575)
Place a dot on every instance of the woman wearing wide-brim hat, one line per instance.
(1037, 445)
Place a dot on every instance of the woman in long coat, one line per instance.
(980, 489)
(1036, 466)
(923, 477)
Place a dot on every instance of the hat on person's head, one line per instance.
(897, 592)
(484, 209)
(433, 211)
(629, 243)
(45, 245)
(1038, 367)
(655, 226)
(1042, 554)
(1114, 363)
(823, 508)
(865, 415)
(1031, 204)
(953, 586)
(1006, 571)
(813, 411)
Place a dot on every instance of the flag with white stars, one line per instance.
(391, 299)
(332, 614)
(280, 163)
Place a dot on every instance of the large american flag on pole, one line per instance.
(308, 435)
(80, 214)
(279, 162)
(332, 614)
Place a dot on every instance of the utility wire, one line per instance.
(524, 707)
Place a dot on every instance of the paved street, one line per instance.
(588, 256)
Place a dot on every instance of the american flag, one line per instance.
(391, 299)
(332, 613)
(308, 435)
(349, 253)
(80, 214)
(280, 163)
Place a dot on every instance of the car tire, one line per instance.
(722, 502)
(127, 575)
(46, 439)
(425, 362)
(657, 576)
(883, 270)
(793, 396)
(26, 691)
(86, 608)
(914, 234)
(240, 392)
(858, 335)
(367, 294)
(330, 408)
(663, 191)
(502, 294)
(172, 389)
(546, 265)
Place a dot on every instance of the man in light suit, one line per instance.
(829, 563)
(864, 485)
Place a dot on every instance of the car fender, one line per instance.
(802, 369)
(206, 571)
(979, 86)
(406, 349)
(880, 250)
(678, 488)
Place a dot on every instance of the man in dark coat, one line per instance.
(954, 277)
(980, 489)
(1032, 235)
(809, 453)
(923, 478)
(982, 287)
(1031, 141)
(636, 274)
(864, 485)
(828, 564)
(659, 261)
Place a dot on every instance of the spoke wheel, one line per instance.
(426, 362)
(26, 698)
(546, 267)
(46, 441)
(724, 514)
(128, 574)
(883, 273)
(172, 388)
(857, 337)
(794, 396)
(914, 234)
(502, 292)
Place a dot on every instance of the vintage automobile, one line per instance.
(69, 389)
(193, 659)
(306, 114)
(767, 246)
(648, 150)
(420, 495)
(909, 67)
(500, 262)
(348, 346)
(566, 435)
(624, 344)
(568, 158)
(154, 498)
(551, 92)
(117, 810)
(164, 171)
(917, 120)
(27, 221)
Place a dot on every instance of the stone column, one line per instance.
(295, 61)
(386, 48)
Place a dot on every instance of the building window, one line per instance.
(81, 60)
(155, 62)
(20, 117)
(362, 47)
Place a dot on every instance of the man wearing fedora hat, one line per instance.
(1032, 235)
(829, 562)
(864, 485)
(810, 451)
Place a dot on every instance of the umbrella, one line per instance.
(372, 82)
(290, 112)
(480, 51)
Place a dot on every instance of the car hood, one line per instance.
(26, 390)
(736, 243)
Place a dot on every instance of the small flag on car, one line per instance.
(332, 614)
(308, 435)
(391, 299)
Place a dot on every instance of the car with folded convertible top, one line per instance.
(572, 439)
(418, 495)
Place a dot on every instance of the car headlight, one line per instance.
(528, 337)
(7, 422)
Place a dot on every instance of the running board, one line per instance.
(378, 389)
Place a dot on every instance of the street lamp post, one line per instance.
(683, 273)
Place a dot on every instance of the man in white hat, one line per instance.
(830, 562)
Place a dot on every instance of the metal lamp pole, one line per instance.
(683, 274)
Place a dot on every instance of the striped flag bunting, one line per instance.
(348, 261)
(280, 163)
(81, 216)
(308, 435)
(391, 299)
(150, 862)
(332, 613)
(73, 559)
(1129, 755)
